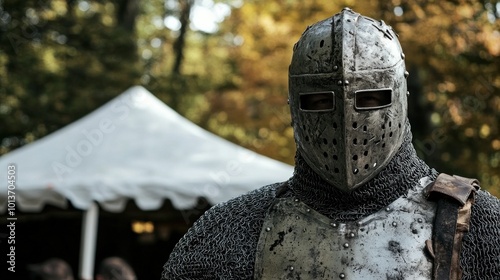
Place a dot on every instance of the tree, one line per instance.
(56, 68)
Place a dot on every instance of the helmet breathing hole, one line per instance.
(326, 141)
(334, 141)
(383, 145)
(322, 43)
(383, 136)
(335, 157)
(354, 125)
(326, 167)
(383, 126)
(365, 153)
(390, 124)
(307, 138)
(335, 125)
(399, 125)
(365, 141)
(366, 166)
(325, 154)
(355, 141)
(355, 157)
(336, 170)
(365, 128)
(390, 134)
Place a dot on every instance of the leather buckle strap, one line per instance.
(454, 196)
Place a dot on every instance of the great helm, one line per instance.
(348, 97)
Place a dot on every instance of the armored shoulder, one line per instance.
(480, 256)
(221, 244)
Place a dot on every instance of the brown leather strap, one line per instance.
(454, 196)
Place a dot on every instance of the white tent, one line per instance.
(133, 147)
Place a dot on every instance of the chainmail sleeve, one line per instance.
(480, 256)
(222, 243)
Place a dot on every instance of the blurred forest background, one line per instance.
(223, 65)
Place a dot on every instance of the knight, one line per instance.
(361, 204)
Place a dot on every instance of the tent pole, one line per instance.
(88, 242)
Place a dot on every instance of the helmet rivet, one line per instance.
(291, 268)
(346, 245)
(407, 93)
(333, 225)
(339, 82)
(403, 56)
(335, 68)
(346, 82)
(341, 275)
(268, 229)
(407, 74)
(394, 224)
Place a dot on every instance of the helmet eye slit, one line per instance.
(322, 101)
(373, 99)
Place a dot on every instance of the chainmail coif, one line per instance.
(222, 243)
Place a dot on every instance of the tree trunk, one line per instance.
(180, 42)
(127, 13)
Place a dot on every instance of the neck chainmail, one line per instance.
(394, 181)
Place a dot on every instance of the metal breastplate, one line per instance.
(297, 242)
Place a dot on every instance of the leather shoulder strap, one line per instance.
(454, 196)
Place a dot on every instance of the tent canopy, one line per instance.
(134, 147)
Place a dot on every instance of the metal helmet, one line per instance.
(348, 97)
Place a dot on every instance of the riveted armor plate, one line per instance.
(296, 242)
